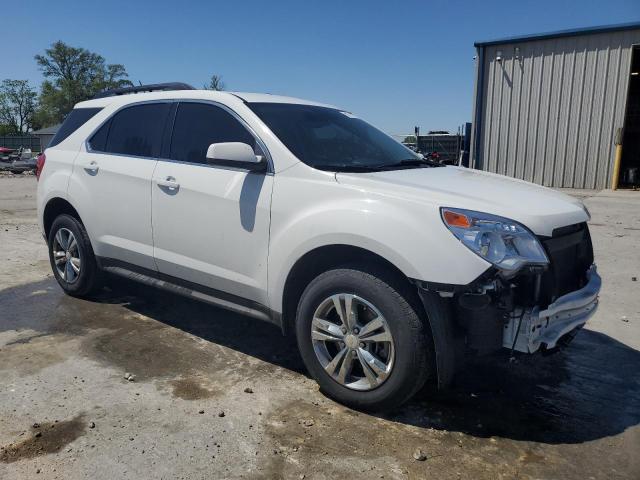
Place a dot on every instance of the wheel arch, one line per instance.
(55, 207)
(327, 257)
(434, 311)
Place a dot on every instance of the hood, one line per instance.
(539, 208)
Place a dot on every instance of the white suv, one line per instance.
(389, 268)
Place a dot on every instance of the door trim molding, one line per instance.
(189, 289)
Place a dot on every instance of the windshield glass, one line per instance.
(330, 139)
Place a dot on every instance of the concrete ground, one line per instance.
(66, 410)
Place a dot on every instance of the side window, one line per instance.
(135, 130)
(198, 125)
(99, 140)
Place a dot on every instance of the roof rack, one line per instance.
(155, 87)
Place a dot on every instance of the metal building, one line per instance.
(548, 107)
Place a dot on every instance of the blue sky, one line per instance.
(396, 64)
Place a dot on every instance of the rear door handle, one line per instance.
(169, 183)
(92, 167)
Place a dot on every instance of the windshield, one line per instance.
(330, 139)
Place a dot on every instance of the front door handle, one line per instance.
(169, 183)
(92, 167)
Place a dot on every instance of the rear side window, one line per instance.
(99, 139)
(134, 130)
(75, 119)
(198, 125)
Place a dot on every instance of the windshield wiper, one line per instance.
(412, 162)
(346, 167)
(407, 163)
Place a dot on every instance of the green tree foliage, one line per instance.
(17, 106)
(215, 83)
(71, 76)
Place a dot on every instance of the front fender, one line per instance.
(408, 234)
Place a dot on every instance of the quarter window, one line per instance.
(134, 130)
(198, 125)
(99, 140)
(75, 119)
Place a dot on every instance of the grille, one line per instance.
(570, 254)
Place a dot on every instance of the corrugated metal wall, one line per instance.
(550, 116)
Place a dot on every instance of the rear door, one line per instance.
(111, 183)
(211, 223)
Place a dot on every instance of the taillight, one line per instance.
(40, 164)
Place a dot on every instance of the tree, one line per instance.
(215, 83)
(73, 75)
(17, 106)
(6, 130)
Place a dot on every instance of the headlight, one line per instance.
(500, 241)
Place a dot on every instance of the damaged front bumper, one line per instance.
(530, 329)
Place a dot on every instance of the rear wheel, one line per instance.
(71, 256)
(361, 339)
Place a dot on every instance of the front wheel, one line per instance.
(361, 339)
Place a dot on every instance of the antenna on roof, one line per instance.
(156, 87)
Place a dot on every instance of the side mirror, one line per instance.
(235, 154)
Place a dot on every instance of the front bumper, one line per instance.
(530, 329)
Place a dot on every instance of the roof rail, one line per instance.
(155, 87)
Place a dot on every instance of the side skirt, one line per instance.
(189, 289)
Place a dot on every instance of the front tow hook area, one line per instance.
(531, 329)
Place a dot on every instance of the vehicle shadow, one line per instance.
(241, 333)
(589, 391)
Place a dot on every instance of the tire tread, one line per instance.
(399, 293)
(91, 280)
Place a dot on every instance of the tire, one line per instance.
(404, 363)
(87, 279)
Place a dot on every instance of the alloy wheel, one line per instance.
(352, 341)
(66, 255)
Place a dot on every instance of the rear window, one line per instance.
(75, 119)
(135, 130)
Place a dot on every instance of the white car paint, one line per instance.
(406, 231)
(202, 233)
(539, 208)
(214, 228)
(112, 195)
(54, 181)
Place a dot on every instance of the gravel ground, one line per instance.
(217, 395)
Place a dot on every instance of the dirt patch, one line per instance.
(33, 354)
(315, 437)
(45, 438)
(26, 339)
(190, 389)
(531, 457)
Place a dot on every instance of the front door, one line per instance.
(211, 223)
